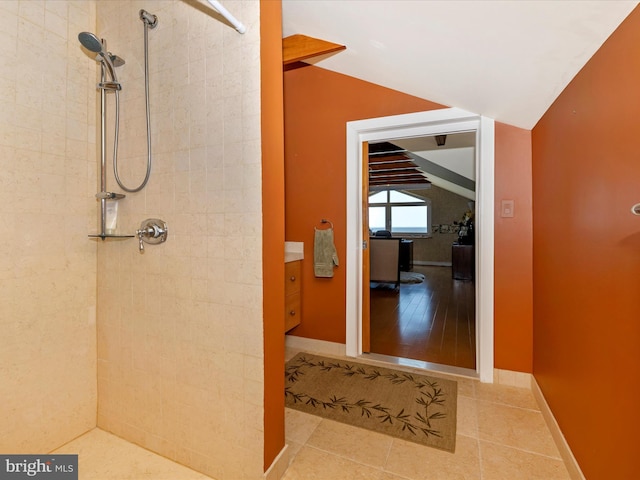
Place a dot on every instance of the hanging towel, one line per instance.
(325, 257)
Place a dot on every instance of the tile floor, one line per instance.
(103, 456)
(501, 435)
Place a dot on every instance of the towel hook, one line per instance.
(324, 220)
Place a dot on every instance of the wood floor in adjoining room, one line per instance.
(432, 321)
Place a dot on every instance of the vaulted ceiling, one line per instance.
(507, 59)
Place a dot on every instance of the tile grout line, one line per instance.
(386, 461)
(338, 455)
(479, 458)
(509, 405)
(559, 459)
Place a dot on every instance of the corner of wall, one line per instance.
(565, 451)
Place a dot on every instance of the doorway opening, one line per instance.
(421, 226)
(422, 124)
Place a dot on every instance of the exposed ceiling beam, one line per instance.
(442, 172)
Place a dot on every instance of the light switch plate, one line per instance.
(506, 208)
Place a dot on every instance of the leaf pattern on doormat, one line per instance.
(427, 418)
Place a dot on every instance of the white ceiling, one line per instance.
(507, 59)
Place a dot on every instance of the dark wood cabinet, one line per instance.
(406, 255)
(462, 262)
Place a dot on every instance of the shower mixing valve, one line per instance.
(152, 231)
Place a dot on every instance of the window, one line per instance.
(399, 212)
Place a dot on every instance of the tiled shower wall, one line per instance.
(180, 354)
(47, 263)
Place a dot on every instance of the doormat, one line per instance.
(411, 406)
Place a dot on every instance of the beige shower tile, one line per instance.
(33, 12)
(358, 444)
(418, 462)
(505, 463)
(103, 456)
(10, 6)
(506, 395)
(313, 464)
(515, 427)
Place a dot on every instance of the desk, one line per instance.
(406, 255)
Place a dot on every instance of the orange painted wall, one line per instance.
(586, 263)
(273, 225)
(318, 103)
(513, 262)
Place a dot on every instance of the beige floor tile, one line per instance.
(466, 386)
(103, 456)
(506, 395)
(391, 476)
(505, 463)
(505, 420)
(299, 425)
(294, 448)
(358, 444)
(314, 464)
(467, 417)
(417, 462)
(515, 427)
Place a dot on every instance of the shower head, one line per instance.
(91, 42)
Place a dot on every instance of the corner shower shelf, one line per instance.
(104, 236)
(296, 48)
(110, 196)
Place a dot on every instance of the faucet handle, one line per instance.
(140, 234)
(152, 231)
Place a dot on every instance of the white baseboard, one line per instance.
(526, 380)
(565, 452)
(278, 466)
(512, 378)
(312, 345)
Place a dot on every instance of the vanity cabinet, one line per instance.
(292, 291)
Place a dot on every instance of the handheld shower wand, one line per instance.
(92, 43)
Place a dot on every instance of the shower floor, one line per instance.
(103, 456)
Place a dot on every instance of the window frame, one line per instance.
(420, 202)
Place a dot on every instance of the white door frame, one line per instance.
(434, 122)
